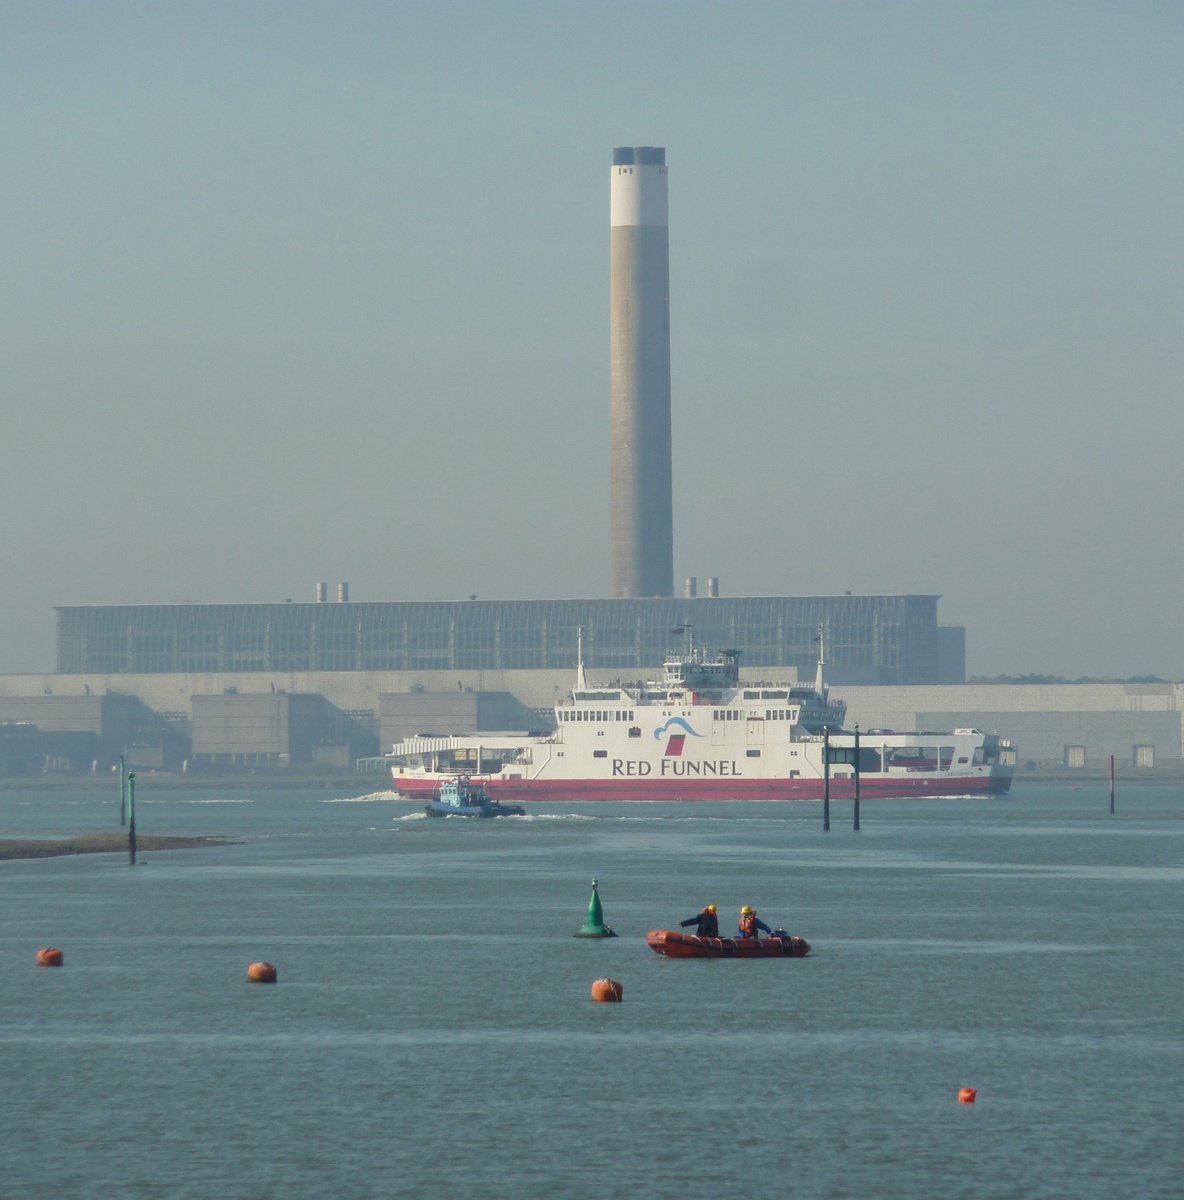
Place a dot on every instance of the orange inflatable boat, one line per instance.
(686, 945)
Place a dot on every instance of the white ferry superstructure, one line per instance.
(701, 734)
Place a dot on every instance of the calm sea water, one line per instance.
(431, 1033)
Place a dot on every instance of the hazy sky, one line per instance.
(296, 292)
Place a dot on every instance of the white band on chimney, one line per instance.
(638, 195)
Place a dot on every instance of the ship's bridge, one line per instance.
(599, 696)
(696, 673)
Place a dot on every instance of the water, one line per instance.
(431, 1033)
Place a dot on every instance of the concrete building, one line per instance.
(869, 639)
(305, 720)
(1069, 725)
(642, 521)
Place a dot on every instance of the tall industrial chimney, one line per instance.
(642, 523)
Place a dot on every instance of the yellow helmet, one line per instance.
(746, 909)
(710, 908)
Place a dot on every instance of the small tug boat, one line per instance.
(779, 944)
(461, 797)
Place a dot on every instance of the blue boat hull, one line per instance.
(438, 809)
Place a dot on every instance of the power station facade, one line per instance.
(869, 639)
(642, 520)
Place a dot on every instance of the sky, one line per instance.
(300, 292)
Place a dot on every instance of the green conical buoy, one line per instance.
(594, 926)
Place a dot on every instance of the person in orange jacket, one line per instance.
(707, 922)
(751, 924)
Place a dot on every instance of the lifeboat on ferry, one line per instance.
(779, 944)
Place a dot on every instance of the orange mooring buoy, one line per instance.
(967, 1096)
(49, 956)
(261, 972)
(606, 990)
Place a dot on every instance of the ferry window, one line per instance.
(634, 731)
(600, 754)
(753, 753)
(963, 759)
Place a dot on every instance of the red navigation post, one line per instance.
(855, 780)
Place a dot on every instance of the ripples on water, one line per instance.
(431, 1033)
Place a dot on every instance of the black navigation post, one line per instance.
(131, 818)
(825, 778)
(1112, 785)
(855, 777)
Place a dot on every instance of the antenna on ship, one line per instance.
(581, 682)
(819, 682)
(688, 629)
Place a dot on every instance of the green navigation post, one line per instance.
(131, 818)
(594, 926)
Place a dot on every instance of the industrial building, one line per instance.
(322, 721)
(869, 639)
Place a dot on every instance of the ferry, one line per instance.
(699, 733)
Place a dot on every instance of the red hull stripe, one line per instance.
(556, 791)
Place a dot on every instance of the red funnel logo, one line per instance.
(674, 745)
